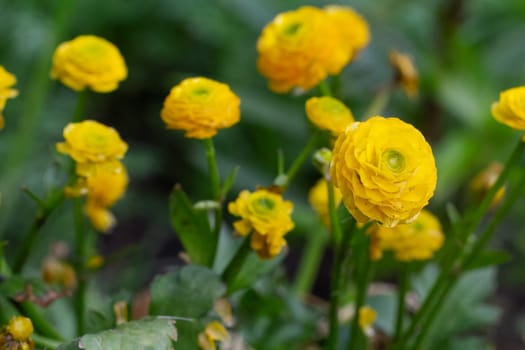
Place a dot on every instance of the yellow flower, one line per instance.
(384, 169)
(91, 141)
(318, 199)
(328, 113)
(418, 240)
(7, 80)
(213, 332)
(299, 49)
(510, 109)
(89, 62)
(483, 182)
(353, 29)
(367, 316)
(201, 107)
(101, 218)
(406, 72)
(59, 272)
(20, 327)
(95, 262)
(267, 216)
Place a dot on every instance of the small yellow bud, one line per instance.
(20, 328)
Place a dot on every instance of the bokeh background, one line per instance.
(466, 52)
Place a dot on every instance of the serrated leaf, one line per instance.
(187, 292)
(191, 226)
(488, 258)
(151, 333)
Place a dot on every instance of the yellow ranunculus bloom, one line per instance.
(300, 48)
(105, 188)
(406, 72)
(59, 272)
(510, 109)
(213, 332)
(353, 29)
(20, 328)
(91, 141)
(384, 169)
(89, 62)
(7, 80)
(267, 216)
(418, 240)
(318, 199)
(328, 113)
(201, 107)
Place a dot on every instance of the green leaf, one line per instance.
(151, 333)
(192, 228)
(488, 258)
(228, 183)
(187, 292)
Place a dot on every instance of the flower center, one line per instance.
(292, 28)
(96, 140)
(394, 160)
(264, 205)
(200, 91)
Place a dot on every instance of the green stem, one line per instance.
(39, 322)
(14, 165)
(379, 102)
(30, 236)
(310, 262)
(336, 285)
(45, 342)
(336, 85)
(235, 266)
(332, 211)
(325, 88)
(404, 282)
(80, 106)
(215, 180)
(466, 226)
(81, 253)
(296, 165)
(363, 279)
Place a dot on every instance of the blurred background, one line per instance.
(466, 52)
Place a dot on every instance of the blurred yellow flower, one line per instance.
(328, 113)
(318, 199)
(510, 109)
(89, 61)
(483, 182)
(20, 327)
(418, 240)
(201, 107)
(7, 80)
(384, 169)
(353, 29)
(59, 272)
(213, 332)
(101, 218)
(302, 47)
(406, 72)
(16, 335)
(91, 141)
(367, 317)
(267, 216)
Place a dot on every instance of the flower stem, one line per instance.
(466, 227)
(325, 88)
(215, 180)
(379, 102)
(43, 214)
(404, 282)
(234, 267)
(296, 165)
(80, 106)
(364, 276)
(341, 249)
(45, 342)
(81, 252)
(310, 261)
